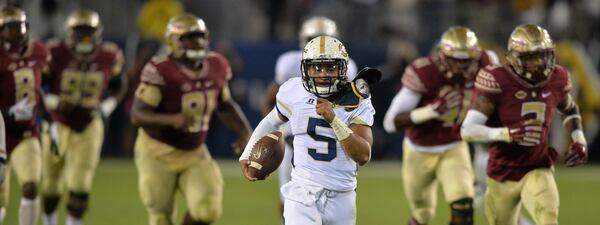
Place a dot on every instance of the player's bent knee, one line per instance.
(548, 216)
(208, 211)
(78, 203)
(424, 215)
(462, 212)
(29, 190)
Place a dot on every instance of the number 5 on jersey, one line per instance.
(331, 142)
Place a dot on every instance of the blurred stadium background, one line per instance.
(386, 34)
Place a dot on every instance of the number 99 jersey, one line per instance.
(318, 155)
(517, 101)
(21, 78)
(81, 81)
(170, 87)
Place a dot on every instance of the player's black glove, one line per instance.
(359, 89)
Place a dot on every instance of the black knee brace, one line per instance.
(29, 190)
(462, 212)
(78, 203)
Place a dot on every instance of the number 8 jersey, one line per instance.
(21, 78)
(318, 156)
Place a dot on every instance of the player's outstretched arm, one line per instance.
(577, 153)
(403, 112)
(398, 115)
(356, 140)
(232, 117)
(269, 124)
(473, 127)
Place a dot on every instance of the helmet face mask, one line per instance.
(324, 66)
(84, 38)
(14, 30)
(187, 39)
(458, 70)
(324, 78)
(459, 50)
(536, 66)
(531, 53)
(83, 31)
(195, 45)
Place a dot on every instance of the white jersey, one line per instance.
(288, 66)
(318, 156)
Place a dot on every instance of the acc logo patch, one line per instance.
(521, 95)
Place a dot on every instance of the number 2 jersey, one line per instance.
(517, 101)
(21, 78)
(318, 156)
(81, 81)
(171, 88)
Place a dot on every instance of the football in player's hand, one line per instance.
(266, 155)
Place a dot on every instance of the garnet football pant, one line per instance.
(536, 191)
(164, 169)
(311, 205)
(75, 159)
(421, 173)
(26, 161)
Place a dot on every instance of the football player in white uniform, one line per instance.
(288, 66)
(330, 141)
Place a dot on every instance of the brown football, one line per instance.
(266, 155)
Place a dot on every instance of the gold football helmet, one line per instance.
(187, 36)
(531, 53)
(460, 52)
(327, 57)
(317, 26)
(83, 29)
(14, 29)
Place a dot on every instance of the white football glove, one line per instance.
(108, 106)
(51, 101)
(22, 110)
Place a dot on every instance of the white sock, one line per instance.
(74, 221)
(2, 213)
(51, 219)
(28, 211)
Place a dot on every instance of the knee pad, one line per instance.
(78, 203)
(29, 190)
(462, 212)
(208, 211)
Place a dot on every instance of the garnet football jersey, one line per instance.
(81, 81)
(185, 91)
(21, 78)
(426, 76)
(517, 101)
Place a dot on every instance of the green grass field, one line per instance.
(380, 201)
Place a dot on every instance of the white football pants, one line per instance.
(311, 205)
